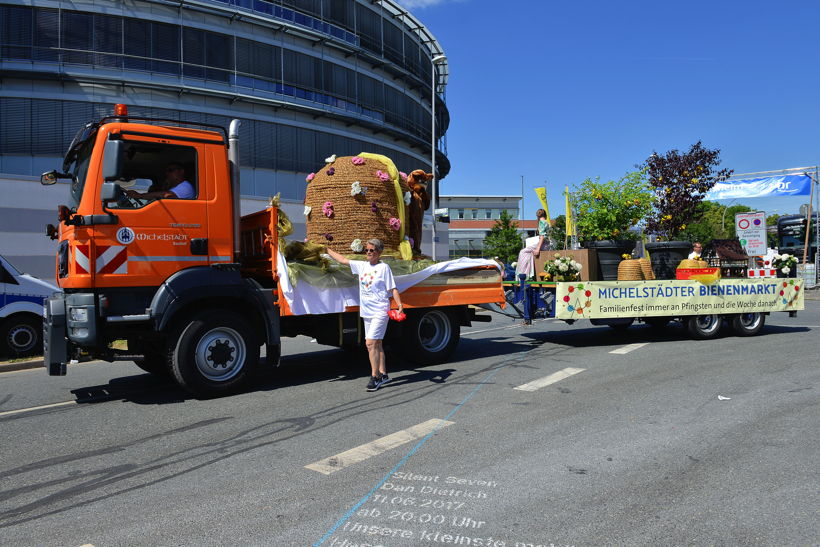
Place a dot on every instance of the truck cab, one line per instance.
(136, 260)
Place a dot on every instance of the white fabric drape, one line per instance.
(306, 299)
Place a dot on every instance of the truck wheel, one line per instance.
(748, 324)
(22, 335)
(704, 326)
(430, 336)
(215, 353)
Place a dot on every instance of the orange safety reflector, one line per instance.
(120, 110)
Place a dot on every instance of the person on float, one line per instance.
(527, 255)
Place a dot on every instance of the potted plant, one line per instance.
(608, 214)
(679, 182)
(562, 268)
(785, 264)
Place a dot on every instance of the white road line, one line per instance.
(628, 348)
(32, 409)
(551, 379)
(374, 448)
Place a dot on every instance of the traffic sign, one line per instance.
(751, 231)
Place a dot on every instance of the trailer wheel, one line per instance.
(22, 335)
(704, 326)
(748, 324)
(216, 352)
(430, 336)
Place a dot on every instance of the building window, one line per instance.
(488, 213)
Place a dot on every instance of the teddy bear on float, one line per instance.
(419, 202)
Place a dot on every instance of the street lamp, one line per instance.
(437, 60)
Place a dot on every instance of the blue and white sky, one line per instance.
(559, 91)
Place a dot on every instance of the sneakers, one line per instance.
(375, 383)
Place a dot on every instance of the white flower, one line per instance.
(356, 245)
(785, 269)
(777, 256)
(563, 267)
(557, 262)
(578, 267)
(407, 198)
(514, 264)
(355, 188)
(574, 264)
(308, 209)
(331, 159)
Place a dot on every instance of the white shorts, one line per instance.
(375, 327)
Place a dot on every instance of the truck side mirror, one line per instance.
(111, 191)
(51, 177)
(113, 156)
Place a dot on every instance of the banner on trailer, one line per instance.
(783, 185)
(674, 297)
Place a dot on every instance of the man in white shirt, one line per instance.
(178, 186)
(697, 249)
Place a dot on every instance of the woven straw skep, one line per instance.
(646, 268)
(630, 270)
(353, 217)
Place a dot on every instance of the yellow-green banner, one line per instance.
(665, 298)
(542, 197)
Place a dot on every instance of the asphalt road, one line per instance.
(539, 435)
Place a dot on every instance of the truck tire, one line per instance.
(215, 353)
(22, 335)
(703, 327)
(430, 336)
(748, 324)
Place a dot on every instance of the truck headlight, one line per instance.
(81, 332)
(78, 314)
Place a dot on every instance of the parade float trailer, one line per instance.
(196, 289)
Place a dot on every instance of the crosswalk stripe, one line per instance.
(551, 379)
(628, 348)
(374, 448)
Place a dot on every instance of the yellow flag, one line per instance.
(542, 197)
(570, 228)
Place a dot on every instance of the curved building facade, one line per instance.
(308, 78)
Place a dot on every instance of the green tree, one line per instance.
(771, 230)
(712, 221)
(607, 210)
(503, 241)
(559, 232)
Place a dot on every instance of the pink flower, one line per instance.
(395, 223)
(310, 177)
(327, 209)
(357, 160)
(403, 176)
(384, 177)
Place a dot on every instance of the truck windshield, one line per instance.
(77, 159)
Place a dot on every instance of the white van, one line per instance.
(21, 311)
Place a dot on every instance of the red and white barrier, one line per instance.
(762, 272)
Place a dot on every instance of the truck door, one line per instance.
(162, 222)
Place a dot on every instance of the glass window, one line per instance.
(488, 213)
(460, 213)
(153, 167)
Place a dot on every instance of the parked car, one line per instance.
(21, 311)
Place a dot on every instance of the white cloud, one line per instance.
(413, 4)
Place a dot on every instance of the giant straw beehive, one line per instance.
(356, 198)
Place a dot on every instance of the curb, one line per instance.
(22, 365)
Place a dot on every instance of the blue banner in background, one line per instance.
(782, 185)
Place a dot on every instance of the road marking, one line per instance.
(628, 348)
(551, 379)
(374, 448)
(33, 408)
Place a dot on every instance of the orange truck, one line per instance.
(192, 286)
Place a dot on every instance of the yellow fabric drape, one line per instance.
(405, 250)
(570, 228)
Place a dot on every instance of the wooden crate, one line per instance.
(586, 257)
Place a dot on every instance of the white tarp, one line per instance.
(306, 299)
